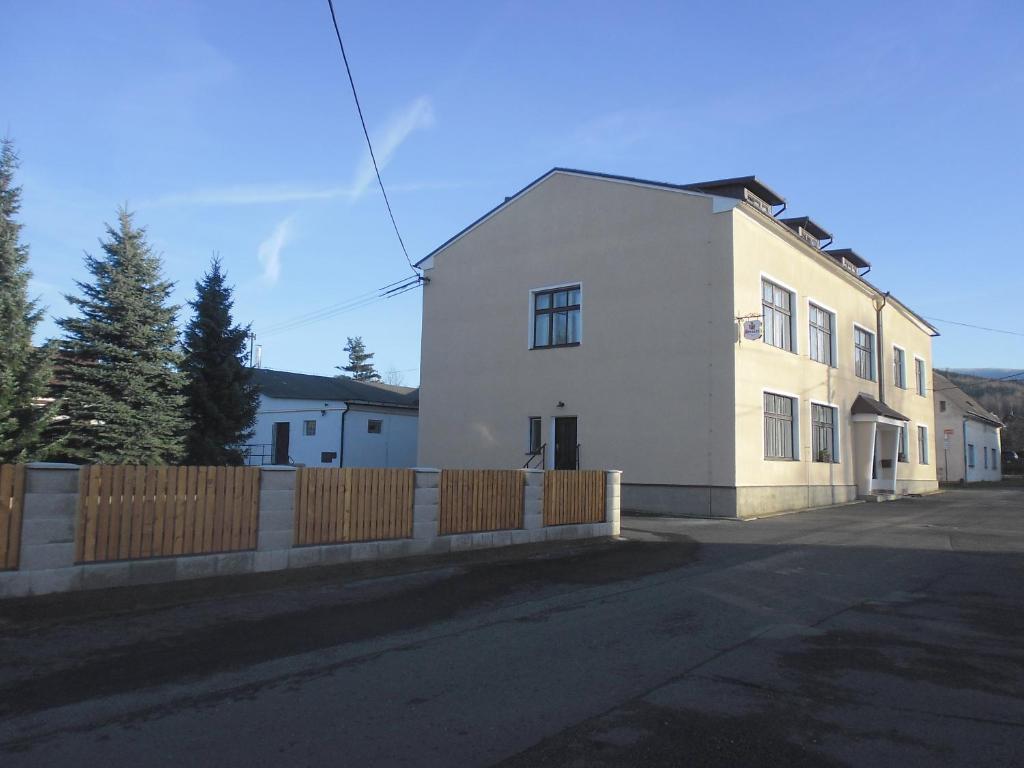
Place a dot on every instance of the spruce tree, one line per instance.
(121, 395)
(221, 400)
(360, 362)
(25, 369)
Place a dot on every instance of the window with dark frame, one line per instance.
(375, 426)
(309, 428)
(820, 322)
(535, 435)
(970, 455)
(922, 445)
(864, 353)
(778, 427)
(556, 317)
(922, 382)
(904, 449)
(777, 307)
(823, 433)
(942, 406)
(899, 367)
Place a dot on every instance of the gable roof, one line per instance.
(962, 400)
(304, 386)
(685, 188)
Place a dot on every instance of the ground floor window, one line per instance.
(985, 451)
(904, 448)
(970, 455)
(823, 433)
(779, 442)
(922, 444)
(535, 435)
(309, 428)
(375, 426)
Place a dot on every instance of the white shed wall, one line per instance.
(395, 446)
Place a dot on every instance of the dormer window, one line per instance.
(808, 231)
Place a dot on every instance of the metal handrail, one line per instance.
(542, 452)
(577, 456)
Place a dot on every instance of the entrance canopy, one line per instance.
(875, 410)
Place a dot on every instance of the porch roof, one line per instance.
(872, 407)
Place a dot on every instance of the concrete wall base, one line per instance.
(730, 502)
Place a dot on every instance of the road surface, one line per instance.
(867, 635)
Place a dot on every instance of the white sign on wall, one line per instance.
(752, 330)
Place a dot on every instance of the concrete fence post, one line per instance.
(47, 556)
(426, 513)
(276, 532)
(613, 501)
(533, 504)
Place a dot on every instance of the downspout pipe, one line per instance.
(341, 448)
(881, 358)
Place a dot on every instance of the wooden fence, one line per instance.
(574, 496)
(473, 500)
(335, 506)
(12, 499)
(133, 512)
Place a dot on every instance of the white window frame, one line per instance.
(837, 453)
(797, 453)
(921, 384)
(904, 437)
(529, 433)
(926, 457)
(903, 367)
(794, 314)
(874, 351)
(835, 331)
(531, 307)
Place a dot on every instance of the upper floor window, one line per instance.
(919, 372)
(779, 427)
(864, 353)
(922, 444)
(821, 323)
(899, 367)
(823, 433)
(777, 306)
(556, 317)
(942, 406)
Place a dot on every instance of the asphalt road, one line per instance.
(868, 635)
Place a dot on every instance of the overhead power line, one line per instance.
(352, 304)
(366, 133)
(976, 327)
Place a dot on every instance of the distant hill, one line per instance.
(1004, 398)
(990, 373)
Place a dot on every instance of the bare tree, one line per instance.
(394, 377)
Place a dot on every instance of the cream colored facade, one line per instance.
(662, 384)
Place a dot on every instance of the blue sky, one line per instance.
(228, 127)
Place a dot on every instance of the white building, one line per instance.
(326, 421)
(969, 441)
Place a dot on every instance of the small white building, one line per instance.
(327, 421)
(968, 437)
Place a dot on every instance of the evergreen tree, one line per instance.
(25, 370)
(221, 401)
(360, 362)
(121, 400)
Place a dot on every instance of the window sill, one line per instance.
(780, 458)
(826, 462)
(557, 346)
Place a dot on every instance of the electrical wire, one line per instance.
(976, 327)
(366, 133)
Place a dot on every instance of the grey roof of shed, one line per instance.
(951, 392)
(869, 405)
(304, 386)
